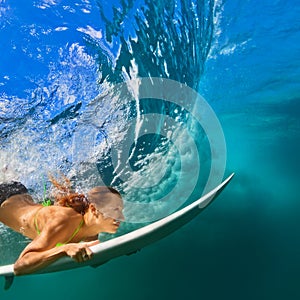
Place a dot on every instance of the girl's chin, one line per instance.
(112, 230)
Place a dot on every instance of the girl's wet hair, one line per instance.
(78, 202)
(65, 196)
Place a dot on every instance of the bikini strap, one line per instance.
(35, 221)
(73, 235)
(75, 232)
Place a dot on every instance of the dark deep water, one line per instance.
(242, 57)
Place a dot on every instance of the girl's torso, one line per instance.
(21, 214)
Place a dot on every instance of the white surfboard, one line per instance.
(131, 242)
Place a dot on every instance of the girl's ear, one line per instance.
(93, 208)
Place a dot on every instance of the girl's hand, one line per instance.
(80, 252)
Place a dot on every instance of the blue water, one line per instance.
(241, 56)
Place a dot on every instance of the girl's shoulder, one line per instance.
(59, 214)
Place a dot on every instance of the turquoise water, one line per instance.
(242, 57)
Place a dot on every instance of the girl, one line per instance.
(56, 230)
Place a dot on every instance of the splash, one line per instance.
(71, 113)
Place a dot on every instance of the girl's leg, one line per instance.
(9, 189)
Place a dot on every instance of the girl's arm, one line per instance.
(41, 252)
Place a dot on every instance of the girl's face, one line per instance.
(109, 218)
(108, 211)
